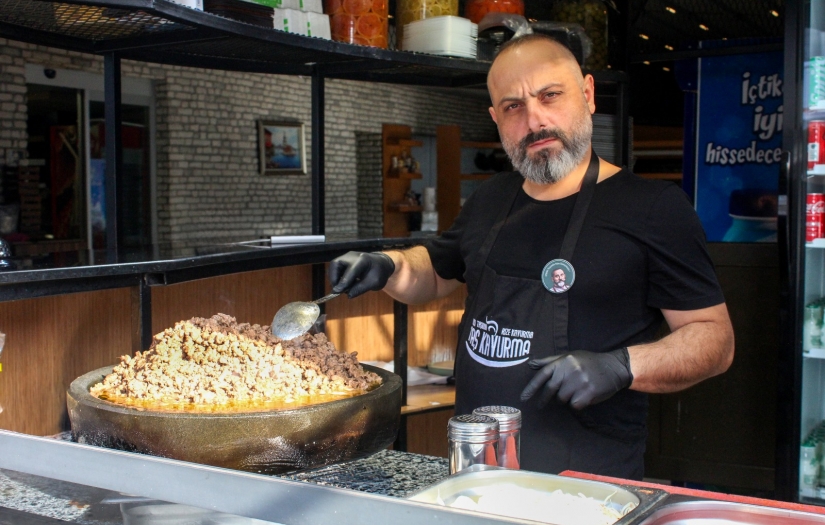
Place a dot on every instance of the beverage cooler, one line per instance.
(800, 459)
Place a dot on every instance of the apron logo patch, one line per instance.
(497, 348)
(558, 276)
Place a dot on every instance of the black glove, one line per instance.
(359, 272)
(580, 378)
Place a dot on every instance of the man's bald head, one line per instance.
(541, 104)
(532, 47)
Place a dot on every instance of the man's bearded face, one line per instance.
(558, 277)
(547, 166)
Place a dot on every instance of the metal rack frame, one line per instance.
(162, 31)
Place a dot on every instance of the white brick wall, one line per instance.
(208, 184)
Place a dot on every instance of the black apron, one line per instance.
(510, 320)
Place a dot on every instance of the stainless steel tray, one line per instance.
(683, 511)
(468, 482)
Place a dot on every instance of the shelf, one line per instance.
(817, 243)
(481, 145)
(656, 153)
(814, 353)
(407, 143)
(661, 176)
(675, 144)
(476, 176)
(162, 31)
(405, 208)
(406, 175)
(425, 398)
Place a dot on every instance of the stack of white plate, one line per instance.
(442, 35)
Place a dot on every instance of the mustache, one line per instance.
(544, 134)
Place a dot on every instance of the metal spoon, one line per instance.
(293, 319)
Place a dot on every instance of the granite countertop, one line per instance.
(33, 500)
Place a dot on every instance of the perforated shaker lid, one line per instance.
(508, 418)
(472, 428)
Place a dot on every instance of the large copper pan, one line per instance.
(268, 442)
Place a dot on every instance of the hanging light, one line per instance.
(644, 36)
(669, 47)
(704, 27)
(665, 69)
(775, 13)
(646, 62)
(670, 10)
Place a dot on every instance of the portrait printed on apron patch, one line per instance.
(558, 276)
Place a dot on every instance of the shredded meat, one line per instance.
(217, 360)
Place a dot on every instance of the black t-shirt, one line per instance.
(641, 249)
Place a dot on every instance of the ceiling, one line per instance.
(681, 26)
(678, 24)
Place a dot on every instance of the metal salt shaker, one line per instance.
(509, 433)
(472, 440)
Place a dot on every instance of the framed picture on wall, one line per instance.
(281, 148)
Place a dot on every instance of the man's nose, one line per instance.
(536, 118)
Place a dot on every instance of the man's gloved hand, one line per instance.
(359, 272)
(580, 378)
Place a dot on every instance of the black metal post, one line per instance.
(318, 196)
(618, 31)
(114, 151)
(623, 129)
(792, 264)
(399, 344)
(141, 316)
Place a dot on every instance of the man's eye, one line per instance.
(511, 106)
(550, 95)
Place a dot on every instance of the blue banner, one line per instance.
(738, 146)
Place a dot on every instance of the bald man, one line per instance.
(576, 360)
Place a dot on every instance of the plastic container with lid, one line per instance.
(509, 433)
(411, 10)
(363, 22)
(471, 440)
(476, 9)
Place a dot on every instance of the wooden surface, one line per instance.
(251, 297)
(362, 325)
(433, 329)
(448, 169)
(395, 139)
(422, 398)
(427, 433)
(365, 325)
(51, 341)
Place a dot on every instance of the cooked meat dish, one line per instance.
(218, 361)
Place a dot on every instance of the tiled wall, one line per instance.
(208, 182)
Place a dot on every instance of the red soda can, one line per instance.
(814, 215)
(816, 145)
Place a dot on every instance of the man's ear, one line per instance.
(590, 92)
(493, 114)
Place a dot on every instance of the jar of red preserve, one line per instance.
(476, 9)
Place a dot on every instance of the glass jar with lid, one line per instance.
(476, 9)
(362, 22)
(592, 16)
(411, 10)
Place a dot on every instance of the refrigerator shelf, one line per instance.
(814, 353)
(816, 243)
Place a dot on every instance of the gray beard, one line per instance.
(549, 167)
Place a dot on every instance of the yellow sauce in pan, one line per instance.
(232, 407)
